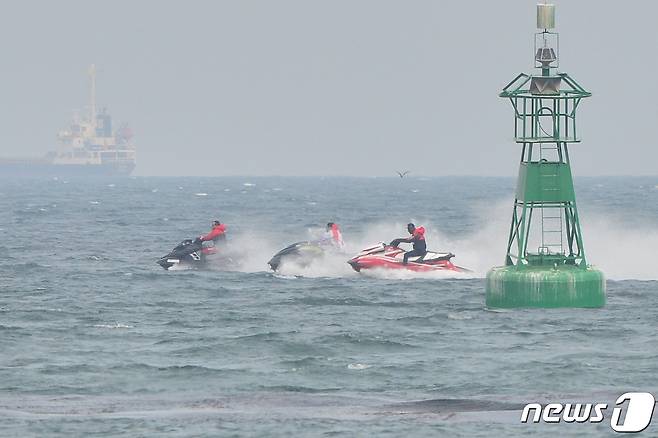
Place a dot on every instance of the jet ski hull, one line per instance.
(300, 254)
(187, 255)
(389, 257)
(187, 262)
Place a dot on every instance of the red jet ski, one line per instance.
(384, 256)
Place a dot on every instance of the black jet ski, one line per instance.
(300, 254)
(188, 254)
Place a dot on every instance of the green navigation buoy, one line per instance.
(545, 216)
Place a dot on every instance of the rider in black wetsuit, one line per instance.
(417, 238)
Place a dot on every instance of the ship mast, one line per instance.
(92, 98)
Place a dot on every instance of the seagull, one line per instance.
(403, 174)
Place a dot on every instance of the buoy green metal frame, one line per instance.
(545, 211)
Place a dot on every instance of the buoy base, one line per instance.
(545, 287)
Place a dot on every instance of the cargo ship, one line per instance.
(90, 146)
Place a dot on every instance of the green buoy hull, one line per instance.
(545, 287)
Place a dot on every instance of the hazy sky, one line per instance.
(341, 87)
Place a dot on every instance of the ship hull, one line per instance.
(45, 169)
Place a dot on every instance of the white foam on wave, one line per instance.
(496, 310)
(358, 366)
(461, 316)
(117, 325)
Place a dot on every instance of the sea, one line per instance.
(98, 340)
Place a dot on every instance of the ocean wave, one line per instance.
(275, 389)
(301, 362)
(365, 342)
(269, 335)
(139, 367)
(28, 266)
(346, 301)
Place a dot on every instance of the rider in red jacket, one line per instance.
(417, 238)
(334, 235)
(218, 232)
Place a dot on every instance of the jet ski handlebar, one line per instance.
(396, 242)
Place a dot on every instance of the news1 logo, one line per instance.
(632, 412)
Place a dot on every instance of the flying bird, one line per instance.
(403, 174)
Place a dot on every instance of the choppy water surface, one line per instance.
(95, 337)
